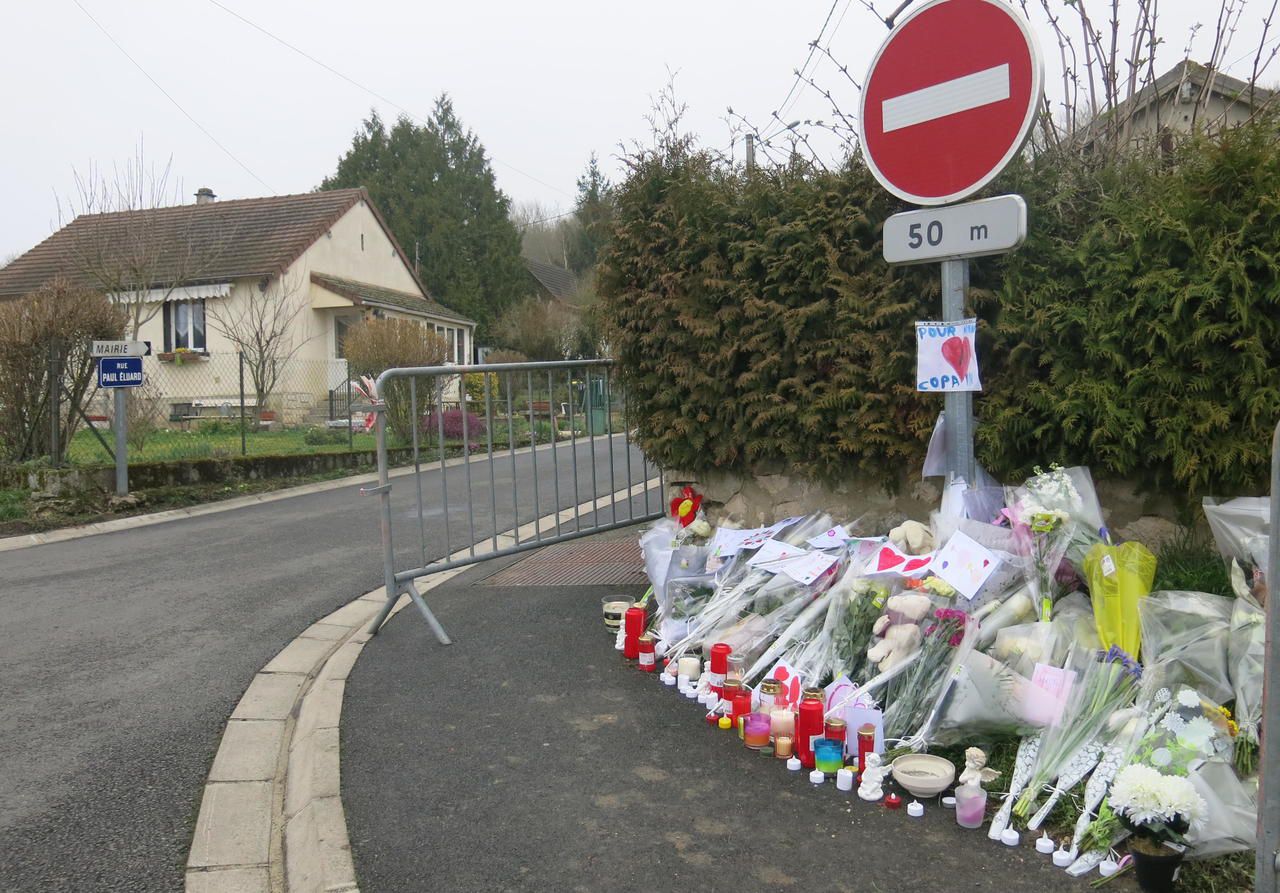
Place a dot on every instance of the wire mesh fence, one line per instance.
(195, 405)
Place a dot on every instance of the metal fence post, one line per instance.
(1266, 869)
(244, 447)
(55, 408)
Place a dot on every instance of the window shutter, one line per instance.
(168, 327)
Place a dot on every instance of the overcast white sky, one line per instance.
(542, 84)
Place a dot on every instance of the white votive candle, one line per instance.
(690, 667)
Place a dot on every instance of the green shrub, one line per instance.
(1137, 330)
(324, 437)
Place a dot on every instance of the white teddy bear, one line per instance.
(898, 629)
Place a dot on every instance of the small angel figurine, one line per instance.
(975, 768)
(873, 776)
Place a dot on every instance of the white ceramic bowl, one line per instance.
(922, 774)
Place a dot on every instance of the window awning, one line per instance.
(180, 293)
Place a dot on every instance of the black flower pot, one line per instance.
(1156, 873)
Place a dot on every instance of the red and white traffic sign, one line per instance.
(950, 99)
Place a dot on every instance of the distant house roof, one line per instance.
(1186, 71)
(558, 282)
(216, 241)
(363, 293)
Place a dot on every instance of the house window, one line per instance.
(453, 344)
(184, 325)
(340, 327)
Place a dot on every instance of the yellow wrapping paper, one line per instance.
(1118, 576)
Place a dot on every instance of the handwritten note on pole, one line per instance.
(946, 359)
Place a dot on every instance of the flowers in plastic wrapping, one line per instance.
(1157, 805)
(913, 696)
(1109, 683)
(1118, 577)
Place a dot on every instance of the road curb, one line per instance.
(271, 818)
(62, 534)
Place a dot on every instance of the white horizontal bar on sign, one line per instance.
(958, 95)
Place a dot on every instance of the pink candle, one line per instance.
(971, 806)
(782, 722)
(756, 731)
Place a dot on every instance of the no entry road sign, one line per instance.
(120, 372)
(950, 98)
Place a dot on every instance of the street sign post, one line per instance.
(120, 349)
(118, 373)
(949, 100)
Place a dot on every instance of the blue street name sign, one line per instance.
(119, 372)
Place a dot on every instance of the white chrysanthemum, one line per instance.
(1189, 697)
(1144, 796)
(1178, 798)
(1173, 723)
(1161, 757)
(1197, 732)
(1162, 696)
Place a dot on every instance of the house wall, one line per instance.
(1217, 114)
(356, 248)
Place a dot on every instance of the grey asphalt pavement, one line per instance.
(530, 756)
(124, 653)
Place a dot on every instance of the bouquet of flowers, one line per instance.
(1188, 633)
(1109, 682)
(913, 698)
(1242, 530)
(856, 606)
(1119, 577)
(1156, 807)
(1246, 657)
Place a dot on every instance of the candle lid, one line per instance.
(817, 776)
(793, 763)
(915, 809)
(1062, 858)
(725, 722)
(1044, 843)
(1009, 837)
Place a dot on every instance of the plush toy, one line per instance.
(898, 629)
(899, 642)
(912, 537)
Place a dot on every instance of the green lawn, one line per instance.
(219, 441)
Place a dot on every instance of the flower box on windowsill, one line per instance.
(179, 357)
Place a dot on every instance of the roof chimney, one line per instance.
(204, 196)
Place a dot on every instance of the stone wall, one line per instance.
(765, 498)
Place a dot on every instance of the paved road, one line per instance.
(124, 654)
(530, 756)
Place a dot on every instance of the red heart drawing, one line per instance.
(888, 559)
(916, 563)
(957, 352)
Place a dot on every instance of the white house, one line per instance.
(329, 250)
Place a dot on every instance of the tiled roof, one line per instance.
(212, 242)
(558, 281)
(362, 292)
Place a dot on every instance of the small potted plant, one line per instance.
(1159, 809)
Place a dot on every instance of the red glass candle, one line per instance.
(866, 744)
(741, 707)
(634, 622)
(837, 729)
(718, 666)
(648, 662)
(809, 725)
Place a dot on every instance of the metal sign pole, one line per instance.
(1266, 869)
(959, 404)
(122, 457)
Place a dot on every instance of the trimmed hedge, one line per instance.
(1137, 330)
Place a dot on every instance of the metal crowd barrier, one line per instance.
(507, 443)
(1267, 864)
